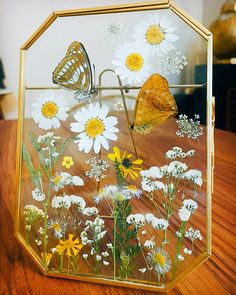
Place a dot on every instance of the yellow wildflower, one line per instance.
(72, 247)
(67, 162)
(125, 164)
(46, 257)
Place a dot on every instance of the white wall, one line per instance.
(19, 19)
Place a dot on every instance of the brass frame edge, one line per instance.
(21, 107)
(47, 23)
(201, 259)
(195, 25)
(210, 144)
(30, 251)
(114, 8)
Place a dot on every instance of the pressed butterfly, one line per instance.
(74, 73)
(154, 105)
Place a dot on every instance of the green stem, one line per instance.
(114, 245)
(179, 245)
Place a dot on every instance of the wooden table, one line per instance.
(18, 274)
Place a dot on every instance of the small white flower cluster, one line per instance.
(180, 257)
(49, 136)
(114, 29)
(194, 175)
(32, 214)
(62, 179)
(187, 251)
(175, 169)
(120, 194)
(93, 232)
(67, 201)
(149, 244)
(149, 182)
(38, 195)
(139, 220)
(189, 206)
(157, 223)
(177, 152)
(172, 62)
(189, 127)
(89, 211)
(98, 166)
(142, 270)
(193, 234)
(31, 209)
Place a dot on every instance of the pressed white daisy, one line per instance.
(57, 226)
(49, 110)
(132, 63)
(160, 260)
(156, 34)
(94, 127)
(131, 191)
(109, 191)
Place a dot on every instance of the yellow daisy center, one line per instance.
(56, 227)
(49, 109)
(134, 62)
(154, 35)
(94, 127)
(159, 259)
(132, 188)
(57, 179)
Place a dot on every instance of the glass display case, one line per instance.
(114, 184)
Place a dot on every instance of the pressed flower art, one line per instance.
(49, 110)
(113, 181)
(94, 128)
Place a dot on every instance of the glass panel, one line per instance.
(113, 181)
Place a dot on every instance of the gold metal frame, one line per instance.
(204, 33)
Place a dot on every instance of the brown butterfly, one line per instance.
(154, 105)
(74, 73)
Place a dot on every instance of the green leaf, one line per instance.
(34, 142)
(34, 174)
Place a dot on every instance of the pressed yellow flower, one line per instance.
(125, 164)
(46, 257)
(72, 247)
(67, 162)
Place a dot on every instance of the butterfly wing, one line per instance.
(155, 104)
(74, 71)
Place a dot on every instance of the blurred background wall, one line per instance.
(19, 19)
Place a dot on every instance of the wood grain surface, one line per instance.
(18, 274)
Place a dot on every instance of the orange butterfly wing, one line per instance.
(155, 104)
